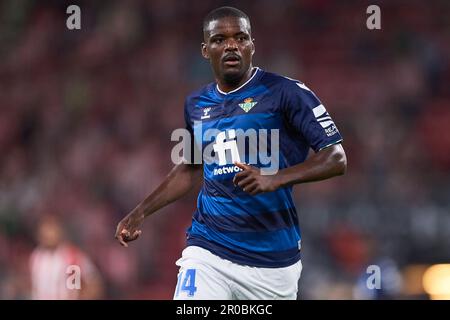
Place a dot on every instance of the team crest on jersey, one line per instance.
(248, 104)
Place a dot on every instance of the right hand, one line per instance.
(128, 228)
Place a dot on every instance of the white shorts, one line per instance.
(205, 276)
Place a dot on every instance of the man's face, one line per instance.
(49, 234)
(229, 47)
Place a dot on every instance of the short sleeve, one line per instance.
(192, 147)
(189, 155)
(187, 120)
(307, 115)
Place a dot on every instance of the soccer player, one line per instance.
(53, 263)
(244, 241)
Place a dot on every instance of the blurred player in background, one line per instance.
(50, 266)
(244, 242)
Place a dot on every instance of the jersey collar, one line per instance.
(255, 71)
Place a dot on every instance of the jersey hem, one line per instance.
(207, 245)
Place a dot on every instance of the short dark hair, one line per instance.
(224, 12)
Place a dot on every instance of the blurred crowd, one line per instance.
(86, 117)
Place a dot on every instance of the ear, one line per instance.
(205, 53)
(253, 46)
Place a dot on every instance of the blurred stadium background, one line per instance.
(86, 118)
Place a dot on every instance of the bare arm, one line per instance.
(181, 179)
(326, 163)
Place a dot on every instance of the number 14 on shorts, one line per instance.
(186, 282)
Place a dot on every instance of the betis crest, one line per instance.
(248, 104)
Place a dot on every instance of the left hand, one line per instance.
(128, 228)
(252, 182)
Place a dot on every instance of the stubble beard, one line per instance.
(233, 78)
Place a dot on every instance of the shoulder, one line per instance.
(292, 91)
(195, 97)
(277, 81)
(285, 85)
(35, 256)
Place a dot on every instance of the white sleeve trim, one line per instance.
(331, 144)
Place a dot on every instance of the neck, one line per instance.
(227, 87)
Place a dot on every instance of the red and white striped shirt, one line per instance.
(51, 269)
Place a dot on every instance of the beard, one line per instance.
(232, 78)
